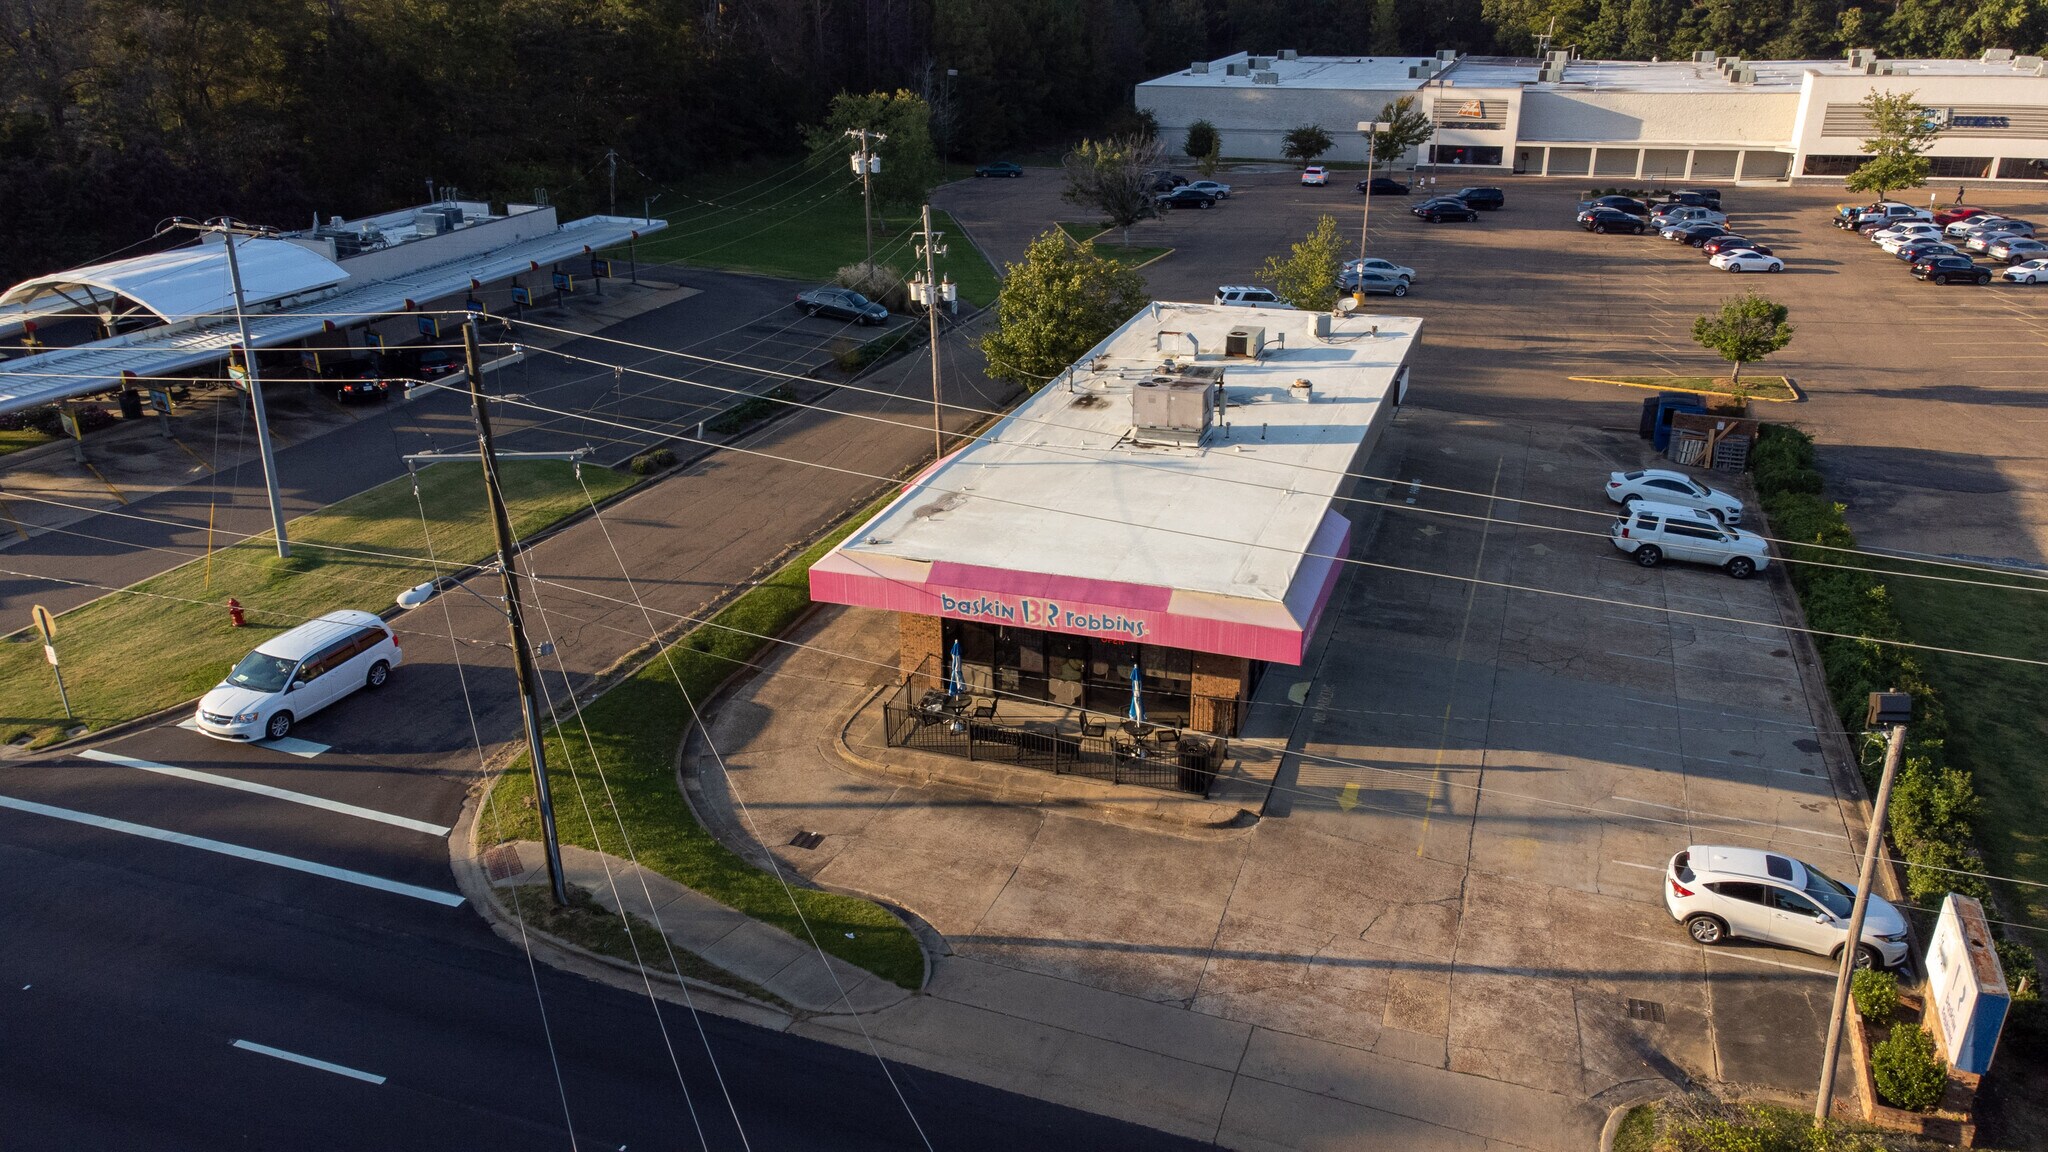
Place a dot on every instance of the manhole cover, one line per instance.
(807, 839)
(1649, 1010)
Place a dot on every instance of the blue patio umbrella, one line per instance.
(1137, 711)
(954, 685)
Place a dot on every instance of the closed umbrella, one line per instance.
(954, 685)
(1137, 711)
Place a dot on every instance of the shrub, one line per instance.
(1907, 1072)
(878, 282)
(649, 462)
(2019, 964)
(1877, 995)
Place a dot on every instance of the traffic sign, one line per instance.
(45, 623)
(50, 654)
(70, 422)
(160, 400)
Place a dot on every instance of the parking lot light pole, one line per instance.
(1887, 710)
(1372, 130)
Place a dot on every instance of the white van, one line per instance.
(290, 677)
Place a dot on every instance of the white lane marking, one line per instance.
(310, 801)
(430, 895)
(1730, 955)
(1710, 817)
(1644, 867)
(290, 745)
(308, 1061)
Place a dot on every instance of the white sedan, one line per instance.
(1315, 174)
(1962, 228)
(1219, 191)
(1746, 260)
(1383, 267)
(1664, 486)
(2027, 272)
(1893, 239)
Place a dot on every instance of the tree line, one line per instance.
(117, 113)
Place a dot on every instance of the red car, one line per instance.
(1948, 216)
(1730, 242)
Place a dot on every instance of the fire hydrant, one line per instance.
(235, 613)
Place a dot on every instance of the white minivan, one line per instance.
(290, 677)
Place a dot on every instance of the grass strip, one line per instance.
(750, 412)
(1133, 256)
(636, 727)
(15, 439)
(1701, 1123)
(1776, 389)
(803, 226)
(588, 924)
(168, 639)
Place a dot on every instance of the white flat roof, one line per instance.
(188, 281)
(1365, 73)
(1058, 487)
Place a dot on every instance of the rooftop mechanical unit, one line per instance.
(1244, 342)
(1176, 409)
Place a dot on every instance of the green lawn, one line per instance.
(637, 726)
(1997, 727)
(588, 924)
(1134, 255)
(167, 639)
(803, 224)
(14, 440)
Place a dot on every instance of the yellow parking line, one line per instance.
(109, 483)
(7, 510)
(203, 461)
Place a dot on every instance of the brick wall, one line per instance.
(1219, 680)
(919, 638)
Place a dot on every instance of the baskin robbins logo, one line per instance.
(1030, 613)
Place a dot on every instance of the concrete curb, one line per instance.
(1630, 1095)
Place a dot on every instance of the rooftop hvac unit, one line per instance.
(1703, 57)
(1199, 68)
(2023, 63)
(1289, 54)
(430, 222)
(1997, 55)
(1233, 69)
(1244, 342)
(1257, 62)
(1265, 77)
(1447, 55)
(1173, 409)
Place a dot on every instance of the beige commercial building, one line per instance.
(1703, 119)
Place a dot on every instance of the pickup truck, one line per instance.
(1855, 217)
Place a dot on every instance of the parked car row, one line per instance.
(1692, 217)
(1939, 246)
(1667, 515)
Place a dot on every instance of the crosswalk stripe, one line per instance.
(240, 785)
(346, 876)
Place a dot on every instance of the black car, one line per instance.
(357, 381)
(1185, 198)
(1487, 198)
(435, 363)
(1694, 234)
(999, 168)
(1694, 198)
(1605, 220)
(1951, 270)
(1444, 208)
(1383, 186)
(1920, 250)
(1628, 204)
(841, 304)
(1164, 181)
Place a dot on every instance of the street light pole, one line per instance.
(253, 380)
(1893, 710)
(1372, 129)
(928, 242)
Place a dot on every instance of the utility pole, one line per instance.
(611, 180)
(1371, 128)
(867, 164)
(928, 247)
(1887, 710)
(522, 656)
(227, 228)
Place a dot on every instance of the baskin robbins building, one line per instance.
(1161, 517)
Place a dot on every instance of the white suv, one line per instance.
(1721, 892)
(1650, 532)
(1247, 296)
(1664, 486)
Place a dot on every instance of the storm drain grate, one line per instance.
(807, 839)
(502, 862)
(1649, 1010)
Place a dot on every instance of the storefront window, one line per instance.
(1025, 664)
(1832, 165)
(1445, 154)
(1959, 167)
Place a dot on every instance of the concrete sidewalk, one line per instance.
(1098, 962)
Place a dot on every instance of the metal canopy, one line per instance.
(183, 283)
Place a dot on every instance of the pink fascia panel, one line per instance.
(1256, 630)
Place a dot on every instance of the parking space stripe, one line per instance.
(308, 1061)
(239, 785)
(290, 745)
(346, 876)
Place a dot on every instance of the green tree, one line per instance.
(1306, 142)
(1386, 28)
(1202, 140)
(1307, 279)
(1114, 177)
(1402, 126)
(1211, 159)
(1900, 131)
(1054, 306)
(1747, 329)
(909, 165)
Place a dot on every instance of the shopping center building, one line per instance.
(1172, 503)
(1707, 118)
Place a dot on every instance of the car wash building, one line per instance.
(1163, 521)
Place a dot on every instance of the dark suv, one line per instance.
(1696, 197)
(1486, 198)
(1951, 270)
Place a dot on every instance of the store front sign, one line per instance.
(1027, 612)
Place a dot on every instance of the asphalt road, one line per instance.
(746, 320)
